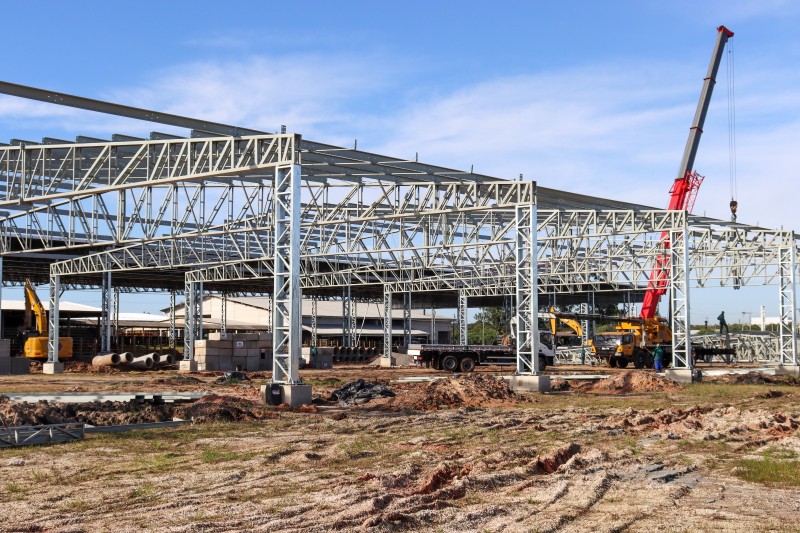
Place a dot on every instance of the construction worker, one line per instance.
(658, 358)
(722, 323)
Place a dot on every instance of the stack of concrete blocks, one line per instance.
(246, 352)
(322, 360)
(12, 365)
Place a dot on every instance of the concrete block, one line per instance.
(187, 366)
(5, 347)
(265, 364)
(788, 370)
(212, 364)
(252, 363)
(245, 337)
(225, 363)
(220, 345)
(296, 395)
(322, 362)
(53, 368)
(387, 362)
(20, 365)
(219, 336)
(530, 383)
(239, 362)
(5, 366)
(683, 375)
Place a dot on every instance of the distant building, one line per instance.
(252, 313)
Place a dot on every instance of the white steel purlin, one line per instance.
(527, 334)
(787, 298)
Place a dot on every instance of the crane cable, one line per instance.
(732, 131)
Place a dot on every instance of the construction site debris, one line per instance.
(466, 390)
(629, 382)
(231, 377)
(359, 392)
(753, 378)
(218, 408)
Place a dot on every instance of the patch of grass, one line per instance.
(145, 491)
(328, 382)
(217, 456)
(13, 489)
(768, 471)
(78, 505)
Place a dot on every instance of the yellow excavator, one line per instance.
(35, 340)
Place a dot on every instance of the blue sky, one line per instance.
(592, 97)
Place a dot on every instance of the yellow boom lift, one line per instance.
(35, 340)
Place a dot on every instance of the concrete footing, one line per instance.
(187, 366)
(296, 395)
(788, 370)
(684, 375)
(53, 368)
(530, 383)
(386, 362)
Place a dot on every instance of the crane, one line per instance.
(684, 190)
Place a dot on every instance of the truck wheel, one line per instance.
(622, 363)
(467, 364)
(542, 362)
(450, 363)
(639, 359)
(612, 362)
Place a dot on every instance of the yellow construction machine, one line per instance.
(34, 341)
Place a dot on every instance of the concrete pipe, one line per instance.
(165, 359)
(143, 362)
(336, 357)
(126, 358)
(155, 356)
(109, 359)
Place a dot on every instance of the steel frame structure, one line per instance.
(231, 204)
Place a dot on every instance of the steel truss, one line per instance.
(246, 208)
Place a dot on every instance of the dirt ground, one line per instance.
(633, 452)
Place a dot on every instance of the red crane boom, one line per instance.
(684, 190)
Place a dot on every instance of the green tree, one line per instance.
(481, 333)
(496, 317)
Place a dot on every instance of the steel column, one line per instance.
(286, 304)
(462, 318)
(527, 291)
(787, 298)
(52, 333)
(115, 321)
(679, 298)
(387, 324)
(433, 337)
(105, 312)
(224, 313)
(406, 318)
(1, 296)
(172, 329)
(314, 321)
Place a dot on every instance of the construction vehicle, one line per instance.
(633, 340)
(34, 341)
(465, 357)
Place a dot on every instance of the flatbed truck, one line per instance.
(465, 357)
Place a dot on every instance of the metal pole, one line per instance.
(462, 318)
(224, 313)
(172, 329)
(387, 324)
(52, 337)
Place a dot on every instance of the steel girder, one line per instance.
(42, 173)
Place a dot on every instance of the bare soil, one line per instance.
(633, 452)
